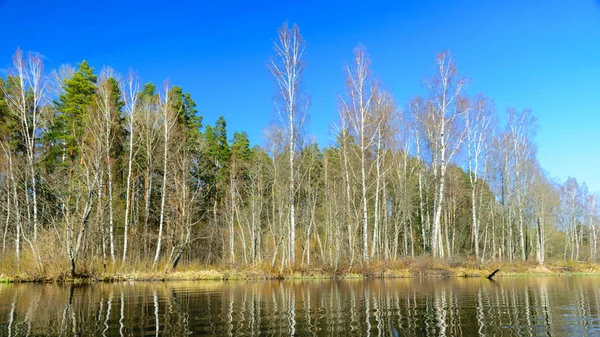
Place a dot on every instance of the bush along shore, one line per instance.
(408, 268)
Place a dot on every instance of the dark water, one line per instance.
(548, 306)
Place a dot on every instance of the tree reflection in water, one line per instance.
(550, 306)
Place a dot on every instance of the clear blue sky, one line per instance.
(543, 55)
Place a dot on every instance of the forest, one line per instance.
(100, 171)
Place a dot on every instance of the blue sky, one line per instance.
(543, 55)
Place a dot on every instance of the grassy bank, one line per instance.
(407, 268)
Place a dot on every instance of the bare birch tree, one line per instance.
(357, 110)
(385, 116)
(521, 128)
(169, 119)
(108, 113)
(291, 103)
(78, 194)
(25, 98)
(131, 106)
(477, 126)
(445, 134)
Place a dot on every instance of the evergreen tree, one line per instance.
(240, 146)
(148, 91)
(71, 111)
(187, 115)
(9, 125)
(119, 132)
(7, 120)
(216, 143)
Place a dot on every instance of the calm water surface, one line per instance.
(548, 306)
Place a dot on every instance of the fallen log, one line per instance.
(489, 277)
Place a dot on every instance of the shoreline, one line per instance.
(419, 269)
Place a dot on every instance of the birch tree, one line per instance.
(521, 128)
(149, 139)
(109, 105)
(287, 67)
(169, 118)
(416, 109)
(477, 123)
(443, 117)
(357, 110)
(385, 118)
(25, 97)
(131, 106)
(78, 194)
(592, 211)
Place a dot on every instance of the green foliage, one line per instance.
(72, 108)
(240, 147)
(148, 91)
(187, 114)
(8, 124)
(10, 128)
(215, 159)
(216, 143)
(117, 120)
(116, 95)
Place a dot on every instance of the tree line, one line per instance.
(98, 169)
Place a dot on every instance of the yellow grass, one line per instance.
(91, 271)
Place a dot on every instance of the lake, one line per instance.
(535, 306)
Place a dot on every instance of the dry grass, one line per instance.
(56, 269)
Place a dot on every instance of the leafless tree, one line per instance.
(287, 67)
(358, 113)
(477, 124)
(110, 119)
(443, 118)
(25, 97)
(131, 109)
(521, 127)
(169, 119)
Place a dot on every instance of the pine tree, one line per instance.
(7, 120)
(187, 115)
(240, 147)
(216, 144)
(118, 132)
(9, 125)
(71, 111)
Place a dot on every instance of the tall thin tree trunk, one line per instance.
(128, 190)
(17, 210)
(375, 249)
(292, 196)
(436, 246)
(101, 219)
(540, 242)
(474, 219)
(166, 124)
(110, 205)
(147, 195)
(364, 196)
(8, 207)
(347, 203)
(131, 105)
(231, 220)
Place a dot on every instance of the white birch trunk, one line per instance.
(287, 69)
(167, 124)
(131, 106)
